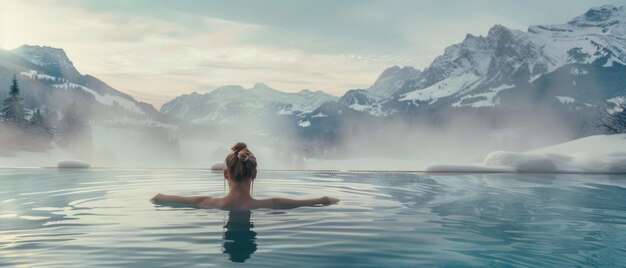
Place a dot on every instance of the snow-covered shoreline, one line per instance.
(593, 154)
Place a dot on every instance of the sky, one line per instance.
(155, 50)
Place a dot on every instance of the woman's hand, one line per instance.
(155, 198)
(330, 200)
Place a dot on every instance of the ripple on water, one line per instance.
(103, 218)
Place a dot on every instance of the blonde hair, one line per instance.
(241, 163)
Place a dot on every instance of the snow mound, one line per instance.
(217, 166)
(72, 164)
(595, 154)
(522, 162)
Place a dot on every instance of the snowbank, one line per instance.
(72, 164)
(594, 154)
(217, 166)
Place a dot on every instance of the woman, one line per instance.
(240, 172)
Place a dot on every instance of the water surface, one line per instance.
(85, 218)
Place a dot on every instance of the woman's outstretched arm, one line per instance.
(292, 203)
(192, 200)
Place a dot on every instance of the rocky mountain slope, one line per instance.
(50, 81)
(229, 104)
(576, 66)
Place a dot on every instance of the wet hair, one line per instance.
(240, 163)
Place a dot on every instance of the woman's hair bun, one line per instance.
(240, 150)
(239, 146)
(243, 155)
(240, 163)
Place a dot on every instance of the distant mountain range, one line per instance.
(577, 67)
(228, 104)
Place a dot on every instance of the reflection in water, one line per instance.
(239, 239)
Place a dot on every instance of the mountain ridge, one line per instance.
(233, 100)
(476, 72)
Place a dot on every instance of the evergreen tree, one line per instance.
(15, 88)
(13, 111)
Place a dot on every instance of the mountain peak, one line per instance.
(358, 96)
(602, 16)
(498, 29)
(227, 88)
(259, 85)
(43, 55)
(53, 60)
(391, 79)
(397, 69)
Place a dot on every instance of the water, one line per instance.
(89, 218)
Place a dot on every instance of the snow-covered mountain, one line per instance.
(53, 60)
(475, 72)
(391, 80)
(229, 103)
(572, 70)
(50, 81)
(362, 101)
(577, 66)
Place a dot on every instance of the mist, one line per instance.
(397, 143)
(410, 140)
(461, 138)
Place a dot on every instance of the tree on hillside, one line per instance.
(13, 110)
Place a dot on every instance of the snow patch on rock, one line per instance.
(319, 115)
(444, 88)
(304, 123)
(565, 100)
